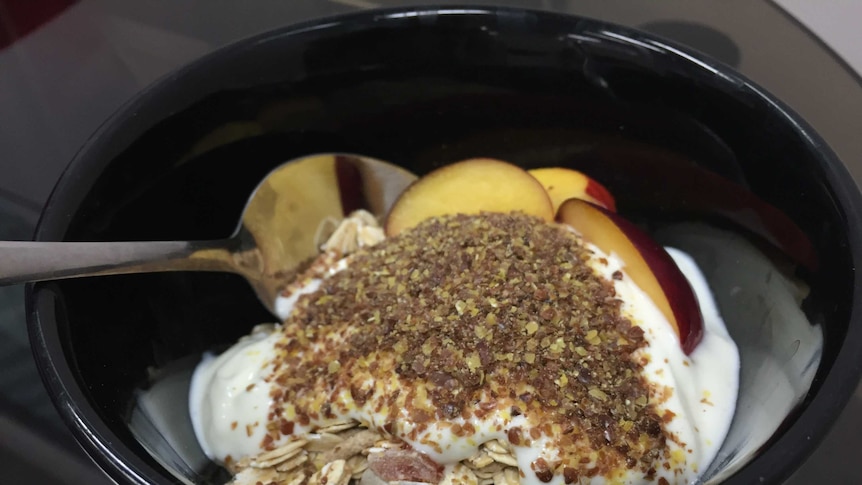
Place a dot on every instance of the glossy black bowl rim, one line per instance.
(771, 466)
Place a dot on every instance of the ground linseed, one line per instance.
(475, 313)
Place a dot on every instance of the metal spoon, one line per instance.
(276, 233)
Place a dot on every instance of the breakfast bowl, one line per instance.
(693, 152)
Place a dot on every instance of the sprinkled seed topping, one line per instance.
(469, 315)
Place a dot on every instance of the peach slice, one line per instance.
(469, 187)
(565, 183)
(646, 263)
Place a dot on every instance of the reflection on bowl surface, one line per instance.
(422, 89)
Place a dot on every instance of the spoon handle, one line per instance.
(25, 261)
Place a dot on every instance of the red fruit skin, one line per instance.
(601, 193)
(349, 185)
(676, 289)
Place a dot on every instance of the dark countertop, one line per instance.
(59, 81)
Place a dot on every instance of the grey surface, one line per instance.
(62, 81)
(35, 446)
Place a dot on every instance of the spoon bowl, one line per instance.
(281, 227)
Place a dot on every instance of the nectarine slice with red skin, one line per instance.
(647, 263)
(564, 183)
(469, 187)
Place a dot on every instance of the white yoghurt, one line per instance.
(229, 421)
(705, 384)
(220, 403)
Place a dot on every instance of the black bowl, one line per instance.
(422, 88)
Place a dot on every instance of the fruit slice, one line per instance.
(564, 183)
(646, 263)
(469, 187)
